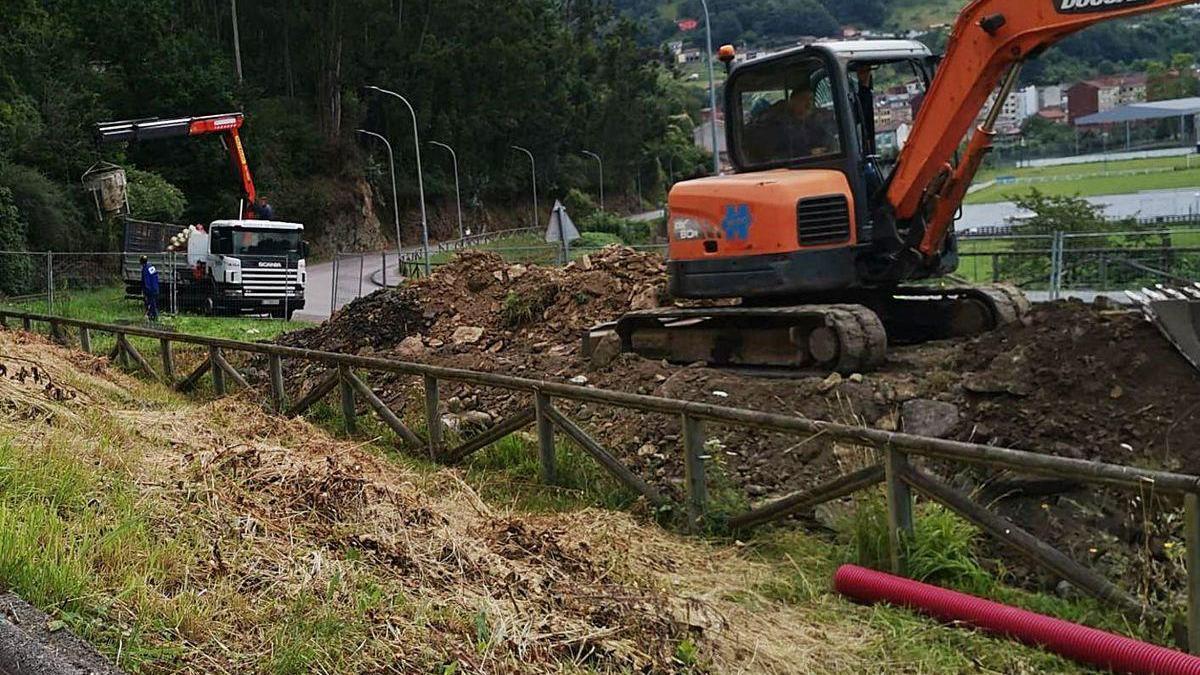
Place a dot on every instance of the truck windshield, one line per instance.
(256, 242)
(785, 114)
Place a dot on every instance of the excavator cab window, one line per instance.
(888, 95)
(785, 114)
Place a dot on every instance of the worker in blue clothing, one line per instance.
(150, 289)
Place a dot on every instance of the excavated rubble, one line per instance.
(1073, 380)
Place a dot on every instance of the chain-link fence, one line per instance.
(1101, 262)
(109, 286)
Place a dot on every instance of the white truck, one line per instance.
(227, 267)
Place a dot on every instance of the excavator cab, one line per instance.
(804, 209)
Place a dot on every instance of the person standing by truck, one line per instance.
(150, 289)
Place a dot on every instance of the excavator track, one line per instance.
(845, 337)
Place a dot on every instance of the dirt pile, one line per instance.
(480, 303)
(1084, 382)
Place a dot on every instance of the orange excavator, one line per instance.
(814, 234)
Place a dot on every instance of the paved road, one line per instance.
(354, 278)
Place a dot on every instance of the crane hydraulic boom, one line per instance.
(989, 42)
(154, 129)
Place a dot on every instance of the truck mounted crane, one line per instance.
(813, 233)
(242, 266)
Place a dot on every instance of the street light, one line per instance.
(712, 91)
(395, 203)
(420, 176)
(593, 155)
(457, 191)
(533, 166)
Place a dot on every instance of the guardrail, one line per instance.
(895, 470)
(418, 255)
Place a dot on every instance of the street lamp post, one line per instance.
(395, 203)
(420, 176)
(712, 91)
(457, 191)
(533, 166)
(596, 157)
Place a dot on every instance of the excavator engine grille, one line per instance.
(823, 220)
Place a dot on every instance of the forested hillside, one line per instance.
(551, 76)
(1110, 47)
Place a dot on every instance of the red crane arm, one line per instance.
(989, 38)
(155, 128)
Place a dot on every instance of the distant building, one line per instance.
(891, 138)
(689, 56)
(1051, 97)
(1053, 114)
(1104, 93)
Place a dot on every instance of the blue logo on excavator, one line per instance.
(737, 222)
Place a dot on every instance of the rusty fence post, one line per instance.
(545, 435)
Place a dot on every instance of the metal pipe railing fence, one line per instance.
(896, 452)
(110, 285)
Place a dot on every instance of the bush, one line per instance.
(151, 197)
(630, 232)
(941, 550)
(579, 205)
(16, 270)
(50, 213)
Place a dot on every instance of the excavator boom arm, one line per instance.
(988, 39)
(154, 129)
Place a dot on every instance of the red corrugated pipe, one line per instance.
(1083, 644)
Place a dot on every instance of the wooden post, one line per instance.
(218, 374)
(231, 372)
(278, 393)
(318, 392)
(133, 354)
(1191, 502)
(508, 426)
(605, 458)
(693, 471)
(347, 400)
(168, 359)
(899, 506)
(122, 355)
(899, 497)
(385, 413)
(807, 499)
(85, 340)
(188, 383)
(433, 417)
(27, 324)
(545, 435)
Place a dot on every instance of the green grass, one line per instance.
(109, 305)
(917, 14)
(1093, 179)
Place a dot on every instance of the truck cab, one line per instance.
(226, 267)
(253, 266)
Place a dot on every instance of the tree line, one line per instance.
(555, 76)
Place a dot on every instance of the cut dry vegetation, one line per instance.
(183, 537)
